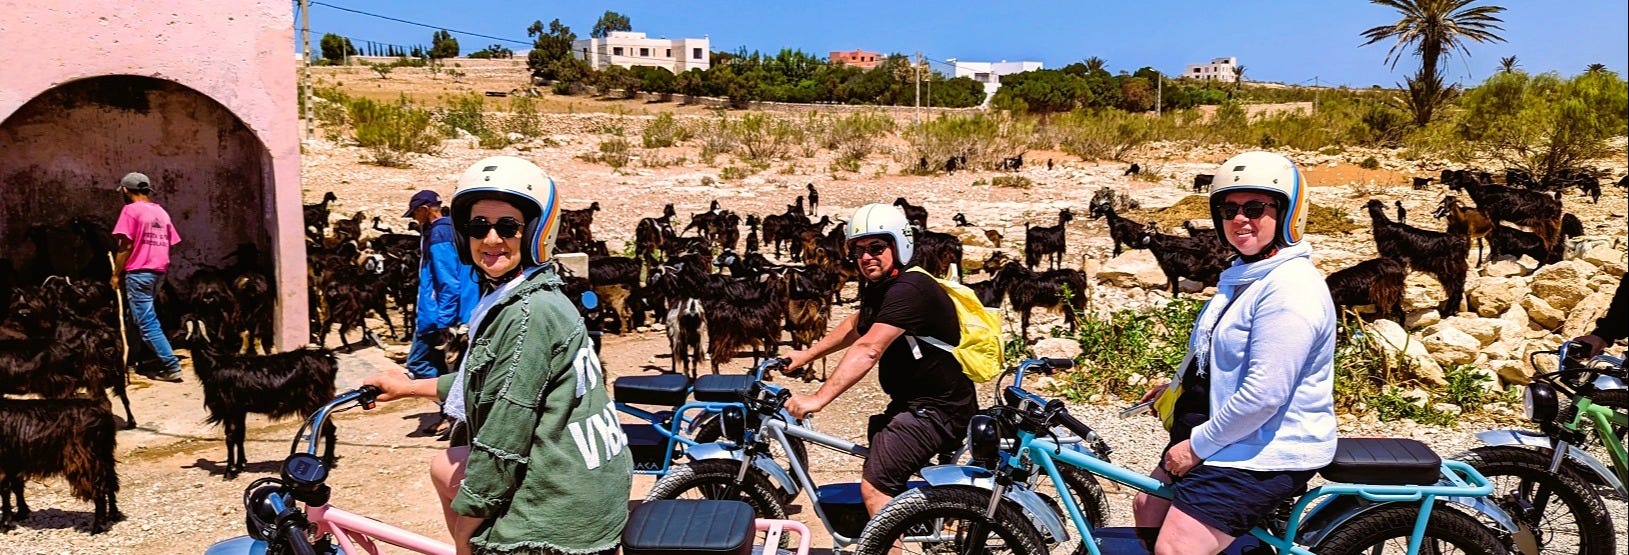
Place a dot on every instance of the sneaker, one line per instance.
(173, 376)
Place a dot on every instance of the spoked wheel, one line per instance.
(1615, 399)
(1386, 530)
(1563, 514)
(715, 479)
(948, 520)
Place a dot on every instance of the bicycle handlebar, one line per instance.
(294, 535)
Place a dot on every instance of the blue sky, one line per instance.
(1279, 40)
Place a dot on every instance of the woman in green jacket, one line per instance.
(547, 468)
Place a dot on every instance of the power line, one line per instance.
(424, 25)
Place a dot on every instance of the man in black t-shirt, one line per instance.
(931, 399)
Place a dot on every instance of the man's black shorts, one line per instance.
(904, 442)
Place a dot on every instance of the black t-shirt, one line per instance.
(914, 302)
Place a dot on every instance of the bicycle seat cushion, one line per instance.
(666, 389)
(678, 526)
(1383, 461)
(722, 388)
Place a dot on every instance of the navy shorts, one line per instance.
(1235, 500)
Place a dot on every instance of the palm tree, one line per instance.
(1508, 64)
(1095, 64)
(1595, 68)
(1433, 29)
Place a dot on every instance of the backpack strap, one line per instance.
(916, 350)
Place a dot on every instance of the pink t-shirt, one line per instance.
(148, 226)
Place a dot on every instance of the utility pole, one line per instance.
(916, 71)
(305, 65)
(1315, 92)
(1159, 92)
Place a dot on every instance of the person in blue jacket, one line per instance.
(447, 289)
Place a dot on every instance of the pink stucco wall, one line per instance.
(237, 53)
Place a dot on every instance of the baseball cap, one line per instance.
(422, 198)
(136, 181)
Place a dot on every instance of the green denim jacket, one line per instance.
(549, 468)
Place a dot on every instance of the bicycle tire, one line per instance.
(1395, 522)
(924, 507)
(707, 477)
(1592, 525)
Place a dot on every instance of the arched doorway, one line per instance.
(62, 153)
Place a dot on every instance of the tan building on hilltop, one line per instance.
(857, 58)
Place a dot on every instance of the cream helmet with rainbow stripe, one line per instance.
(517, 182)
(1273, 175)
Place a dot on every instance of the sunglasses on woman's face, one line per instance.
(873, 249)
(478, 227)
(1253, 209)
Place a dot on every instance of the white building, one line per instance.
(989, 73)
(1219, 69)
(628, 49)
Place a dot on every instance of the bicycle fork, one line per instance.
(976, 532)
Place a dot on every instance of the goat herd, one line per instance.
(61, 336)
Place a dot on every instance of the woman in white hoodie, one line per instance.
(1252, 415)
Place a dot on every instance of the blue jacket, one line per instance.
(448, 289)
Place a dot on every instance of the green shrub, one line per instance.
(1130, 349)
(523, 117)
(732, 173)
(614, 152)
(466, 112)
(983, 138)
(1011, 181)
(856, 135)
(1369, 163)
(844, 163)
(1104, 134)
(392, 130)
(664, 131)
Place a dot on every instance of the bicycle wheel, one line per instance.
(1566, 516)
(944, 520)
(710, 479)
(1387, 529)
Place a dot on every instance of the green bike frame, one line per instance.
(1603, 418)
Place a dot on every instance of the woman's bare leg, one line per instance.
(447, 473)
(1149, 511)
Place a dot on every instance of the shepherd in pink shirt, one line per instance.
(145, 235)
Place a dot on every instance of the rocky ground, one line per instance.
(177, 502)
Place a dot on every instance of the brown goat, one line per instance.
(1464, 221)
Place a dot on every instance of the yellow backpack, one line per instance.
(979, 351)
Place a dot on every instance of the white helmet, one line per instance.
(883, 219)
(1268, 173)
(520, 183)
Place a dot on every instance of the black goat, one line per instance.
(814, 200)
(1047, 241)
(295, 383)
(1434, 252)
(916, 215)
(1402, 213)
(1201, 182)
(808, 306)
(960, 220)
(1196, 258)
(316, 215)
(1420, 183)
(1133, 170)
(935, 252)
(752, 233)
(1027, 290)
(1377, 282)
(72, 438)
(1123, 231)
(1012, 163)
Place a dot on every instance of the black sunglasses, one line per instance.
(1253, 209)
(873, 249)
(478, 227)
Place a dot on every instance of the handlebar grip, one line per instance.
(294, 534)
(1060, 363)
(368, 396)
(1074, 425)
